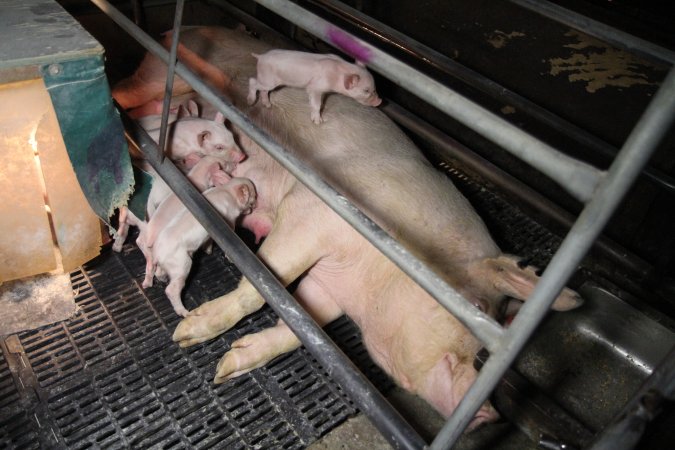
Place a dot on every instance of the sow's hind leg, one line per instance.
(255, 350)
(288, 251)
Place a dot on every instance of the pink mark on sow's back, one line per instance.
(349, 45)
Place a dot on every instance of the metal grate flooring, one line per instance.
(112, 378)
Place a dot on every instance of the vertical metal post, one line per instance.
(168, 89)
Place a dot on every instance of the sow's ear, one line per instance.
(351, 81)
(517, 280)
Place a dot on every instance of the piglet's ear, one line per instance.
(219, 118)
(351, 80)
(243, 193)
(192, 108)
(203, 136)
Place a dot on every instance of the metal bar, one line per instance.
(447, 147)
(578, 178)
(392, 426)
(629, 425)
(137, 9)
(635, 153)
(440, 62)
(168, 88)
(599, 30)
(484, 327)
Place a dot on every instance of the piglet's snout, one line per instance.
(236, 155)
(374, 100)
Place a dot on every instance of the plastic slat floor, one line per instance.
(112, 378)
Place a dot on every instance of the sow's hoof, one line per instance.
(207, 322)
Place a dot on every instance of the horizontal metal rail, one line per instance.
(599, 30)
(615, 254)
(578, 178)
(635, 153)
(436, 60)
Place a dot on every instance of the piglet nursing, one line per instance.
(316, 73)
(172, 250)
(172, 235)
(189, 137)
(192, 134)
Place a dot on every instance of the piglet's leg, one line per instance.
(149, 264)
(256, 350)
(288, 251)
(122, 230)
(315, 105)
(252, 90)
(173, 291)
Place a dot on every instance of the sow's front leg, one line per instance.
(255, 350)
(288, 251)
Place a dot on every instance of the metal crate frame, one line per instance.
(601, 191)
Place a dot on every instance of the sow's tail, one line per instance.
(509, 276)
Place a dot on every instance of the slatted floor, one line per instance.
(112, 378)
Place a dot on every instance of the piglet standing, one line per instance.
(316, 73)
(207, 173)
(176, 242)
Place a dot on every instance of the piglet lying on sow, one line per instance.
(415, 340)
(316, 73)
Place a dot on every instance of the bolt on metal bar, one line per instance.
(168, 89)
(599, 30)
(438, 61)
(484, 327)
(635, 153)
(578, 178)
